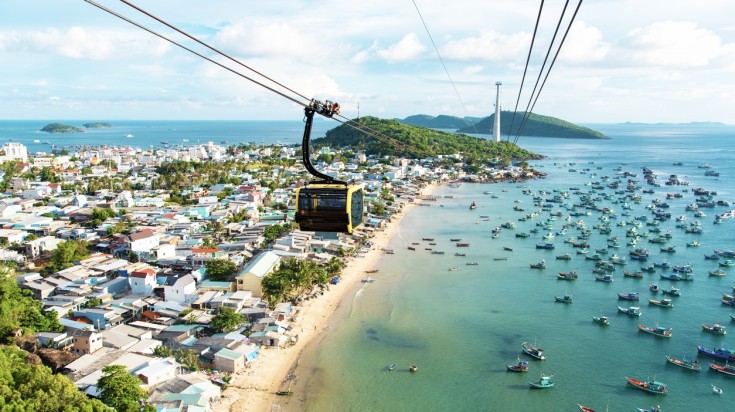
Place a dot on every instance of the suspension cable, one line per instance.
(443, 65)
(528, 58)
(569, 26)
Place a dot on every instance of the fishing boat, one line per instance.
(716, 390)
(604, 278)
(533, 351)
(671, 292)
(500, 258)
(583, 408)
(657, 331)
(566, 256)
(392, 367)
(472, 263)
(683, 268)
(544, 245)
(717, 272)
(684, 363)
(628, 274)
(539, 265)
(411, 248)
(521, 366)
(564, 299)
(509, 249)
(567, 275)
(664, 303)
(631, 311)
(662, 265)
(602, 320)
(651, 409)
(543, 383)
(628, 296)
(676, 276)
(648, 386)
(454, 269)
(715, 328)
(473, 206)
(653, 287)
(463, 245)
(727, 369)
(413, 368)
(717, 353)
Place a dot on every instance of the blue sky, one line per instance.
(624, 60)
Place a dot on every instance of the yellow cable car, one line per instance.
(329, 207)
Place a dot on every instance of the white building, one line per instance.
(14, 151)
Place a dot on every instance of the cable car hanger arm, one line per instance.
(327, 109)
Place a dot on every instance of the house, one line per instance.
(158, 371)
(200, 255)
(86, 341)
(228, 360)
(143, 281)
(143, 241)
(180, 290)
(56, 340)
(252, 274)
(36, 247)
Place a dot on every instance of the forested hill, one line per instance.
(440, 122)
(397, 139)
(536, 125)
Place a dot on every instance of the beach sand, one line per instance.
(254, 389)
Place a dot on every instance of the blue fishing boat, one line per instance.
(717, 353)
(544, 245)
(629, 296)
(533, 351)
(676, 276)
(648, 386)
(631, 311)
(543, 383)
(604, 278)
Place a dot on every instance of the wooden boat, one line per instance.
(460, 254)
(602, 320)
(564, 299)
(715, 328)
(567, 275)
(676, 276)
(653, 287)
(284, 393)
(411, 248)
(533, 351)
(454, 269)
(628, 296)
(664, 303)
(539, 265)
(473, 206)
(565, 256)
(683, 363)
(463, 245)
(638, 275)
(509, 249)
(413, 368)
(671, 292)
(716, 390)
(631, 311)
(521, 366)
(717, 272)
(501, 258)
(648, 386)
(428, 239)
(718, 353)
(727, 369)
(472, 263)
(543, 383)
(657, 331)
(604, 278)
(585, 408)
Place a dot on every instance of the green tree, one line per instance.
(120, 389)
(162, 351)
(220, 269)
(93, 303)
(334, 266)
(65, 254)
(226, 320)
(27, 387)
(189, 358)
(19, 311)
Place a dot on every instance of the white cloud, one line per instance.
(583, 44)
(272, 40)
(490, 46)
(672, 44)
(408, 48)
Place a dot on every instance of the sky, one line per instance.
(622, 60)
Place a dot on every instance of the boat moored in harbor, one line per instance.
(533, 351)
(684, 363)
(543, 383)
(652, 386)
(657, 331)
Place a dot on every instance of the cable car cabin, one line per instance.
(329, 207)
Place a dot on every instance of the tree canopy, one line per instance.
(220, 269)
(226, 320)
(27, 387)
(120, 389)
(65, 254)
(20, 311)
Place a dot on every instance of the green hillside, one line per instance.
(439, 122)
(397, 139)
(61, 128)
(536, 125)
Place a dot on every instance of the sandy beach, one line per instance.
(254, 390)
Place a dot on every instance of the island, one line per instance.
(536, 125)
(97, 125)
(61, 128)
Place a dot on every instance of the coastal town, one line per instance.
(165, 271)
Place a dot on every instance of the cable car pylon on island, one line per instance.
(327, 204)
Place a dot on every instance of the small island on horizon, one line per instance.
(61, 128)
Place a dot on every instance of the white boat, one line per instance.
(716, 390)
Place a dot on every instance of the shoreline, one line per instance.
(254, 389)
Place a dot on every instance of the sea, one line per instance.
(462, 327)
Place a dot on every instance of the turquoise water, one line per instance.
(463, 327)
